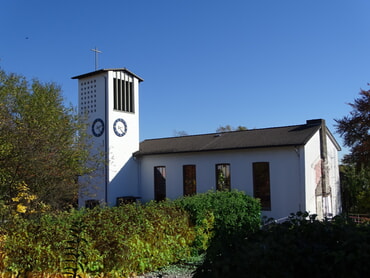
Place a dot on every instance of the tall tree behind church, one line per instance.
(355, 178)
(355, 130)
(228, 128)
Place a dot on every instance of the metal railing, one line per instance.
(359, 218)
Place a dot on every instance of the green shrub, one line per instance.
(301, 247)
(138, 238)
(233, 210)
(221, 214)
(33, 245)
(75, 251)
(126, 240)
(117, 241)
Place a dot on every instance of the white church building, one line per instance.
(289, 168)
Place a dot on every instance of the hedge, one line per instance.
(117, 241)
(300, 247)
(122, 241)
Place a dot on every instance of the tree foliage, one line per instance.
(355, 130)
(41, 155)
(228, 128)
(99, 242)
(301, 247)
(180, 133)
(355, 189)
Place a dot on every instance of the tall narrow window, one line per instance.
(131, 97)
(123, 95)
(115, 94)
(119, 94)
(159, 183)
(223, 177)
(189, 180)
(261, 184)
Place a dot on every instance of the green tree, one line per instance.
(180, 133)
(355, 130)
(355, 189)
(355, 179)
(228, 128)
(43, 148)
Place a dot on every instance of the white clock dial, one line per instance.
(98, 127)
(120, 127)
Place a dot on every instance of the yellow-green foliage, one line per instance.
(33, 246)
(136, 238)
(2, 253)
(120, 241)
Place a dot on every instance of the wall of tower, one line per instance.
(123, 172)
(109, 102)
(92, 103)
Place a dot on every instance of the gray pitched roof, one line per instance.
(255, 138)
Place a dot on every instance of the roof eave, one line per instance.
(138, 154)
(105, 70)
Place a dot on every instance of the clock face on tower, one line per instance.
(98, 127)
(120, 127)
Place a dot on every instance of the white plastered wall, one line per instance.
(312, 164)
(122, 175)
(91, 103)
(285, 174)
(334, 178)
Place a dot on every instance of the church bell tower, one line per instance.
(109, 100)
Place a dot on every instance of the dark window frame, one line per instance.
(123, 95)
(189, 174)
(92, 203)
(262, 184)
(160, 183)
(223, 176)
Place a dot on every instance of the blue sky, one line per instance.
(205, 63)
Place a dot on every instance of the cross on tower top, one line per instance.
(96, 56)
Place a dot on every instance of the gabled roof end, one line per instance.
(105, 70)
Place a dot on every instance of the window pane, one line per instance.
(223, 177)
(131, 97)
(261, 183)
(119, 92)
(123, 95)
(127, 97)
(115, 94)
(159, 183)
(189, 177)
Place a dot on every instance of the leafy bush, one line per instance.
(116, 241)
(220, 214)
(233, 210)
(301, 247)
(123, 241)
(135, 239)
(33, 245)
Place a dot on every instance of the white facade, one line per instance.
(292, 175)
(303, 170)
(286, 196)
(317, 203)
(109, 99)
(334, 178)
